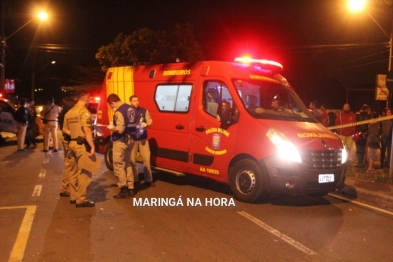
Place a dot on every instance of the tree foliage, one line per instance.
(145, 46)
(87, 77)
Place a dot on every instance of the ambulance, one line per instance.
(239, 123)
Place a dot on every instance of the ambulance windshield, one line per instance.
(271, 100)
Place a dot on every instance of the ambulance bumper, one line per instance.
(296, 179)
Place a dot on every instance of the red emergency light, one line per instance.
(249, 61)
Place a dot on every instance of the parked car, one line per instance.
(7, 121)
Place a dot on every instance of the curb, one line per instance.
(378, 199)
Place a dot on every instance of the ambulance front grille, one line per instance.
(321, 159)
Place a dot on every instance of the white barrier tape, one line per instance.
(368, 121)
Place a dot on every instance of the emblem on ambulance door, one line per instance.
(216, 141)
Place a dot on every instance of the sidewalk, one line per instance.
(374, 188)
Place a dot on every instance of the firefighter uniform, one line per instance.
(142, 115)
(79, 179)
(122, 145)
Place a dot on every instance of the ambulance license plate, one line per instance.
(326, 178)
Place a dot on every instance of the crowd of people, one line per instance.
(29, 126)
(369, 137)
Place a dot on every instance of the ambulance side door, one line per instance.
(169, 136)
(212, 144)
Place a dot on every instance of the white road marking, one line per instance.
(42, 173)
(361, 204)
(278, 234)
(18, 250)
(37, 190)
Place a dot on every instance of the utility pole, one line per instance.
(3, 44)
(390, 95)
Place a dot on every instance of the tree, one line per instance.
(87, 77)
(146, 46)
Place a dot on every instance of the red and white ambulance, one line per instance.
(238, 122)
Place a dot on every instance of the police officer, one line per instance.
(65, 184)
(21, 118)
(122, 145)
(77, 124)
(142, 120)
(49, 114)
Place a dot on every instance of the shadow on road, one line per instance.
(195, 181)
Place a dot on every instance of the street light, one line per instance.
(33, 74)
(41, 16)
(357, 5)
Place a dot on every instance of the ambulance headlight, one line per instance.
(344, 155)
(285, 148)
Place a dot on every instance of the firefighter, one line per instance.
(122, 145)
(142, 120)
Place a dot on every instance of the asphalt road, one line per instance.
(38, 225)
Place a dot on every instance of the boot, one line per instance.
(131, 192)
(123, 194)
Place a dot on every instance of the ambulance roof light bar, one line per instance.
(249, 60)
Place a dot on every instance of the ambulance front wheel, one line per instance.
(247, 181)
(108, 155)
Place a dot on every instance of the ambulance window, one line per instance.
(214, 93)
(173, 98)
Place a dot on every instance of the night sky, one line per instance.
(324, 48)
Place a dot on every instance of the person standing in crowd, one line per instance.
(65, 184)
(49, 114)
(363, 129)
(122, 145)
(373, 143)
(386, 137)
(77, 124)
(324, 116)
(22, 118)
(32, 127)
(332, 119)
(345, 134)
(143, 120)
(315, 112)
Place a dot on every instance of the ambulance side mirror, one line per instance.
(224, 112)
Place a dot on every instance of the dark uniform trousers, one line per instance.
(79, 178)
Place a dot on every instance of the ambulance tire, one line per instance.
(247, 181)
(108, 155)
